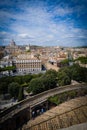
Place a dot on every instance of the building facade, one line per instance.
(27, 64)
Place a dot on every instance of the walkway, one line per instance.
(65, 115)
(39, 98)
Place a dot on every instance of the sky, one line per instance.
(44, 22)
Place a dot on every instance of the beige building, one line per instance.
(27, 64)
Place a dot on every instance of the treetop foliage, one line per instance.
(13, 89)
(37, 83)
(8, 68)
(82, 59)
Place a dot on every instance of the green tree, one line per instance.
(13, 89)
(64, 63)
(82, 59)
(44, 82)
(49, 81)
(52, 72)
(8, 68)
(36, 86)
(18, 79)
(83, 74)
(6, 80)
(27, 78)
(66, 70)
(63, 79)
(37, 75)
(76, 72)
(3, 88)
(64, 76)
(21, 94)
(54, 99)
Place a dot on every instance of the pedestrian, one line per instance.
(33, 114)
(42, 110)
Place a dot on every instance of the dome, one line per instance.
(12, 43)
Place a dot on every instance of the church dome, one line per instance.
(12, 43)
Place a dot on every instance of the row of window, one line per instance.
(29, 70)
(29, 66)
(28, 61)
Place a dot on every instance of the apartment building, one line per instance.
(27, 64)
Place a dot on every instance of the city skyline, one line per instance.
(43, 22)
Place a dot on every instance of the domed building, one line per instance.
(12, 48)
(12, 43)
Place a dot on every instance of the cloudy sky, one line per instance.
(43, 22)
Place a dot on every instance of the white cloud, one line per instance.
(60, 11)
(23, 35)
(36, 25)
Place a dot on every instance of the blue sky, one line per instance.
(43, 22)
